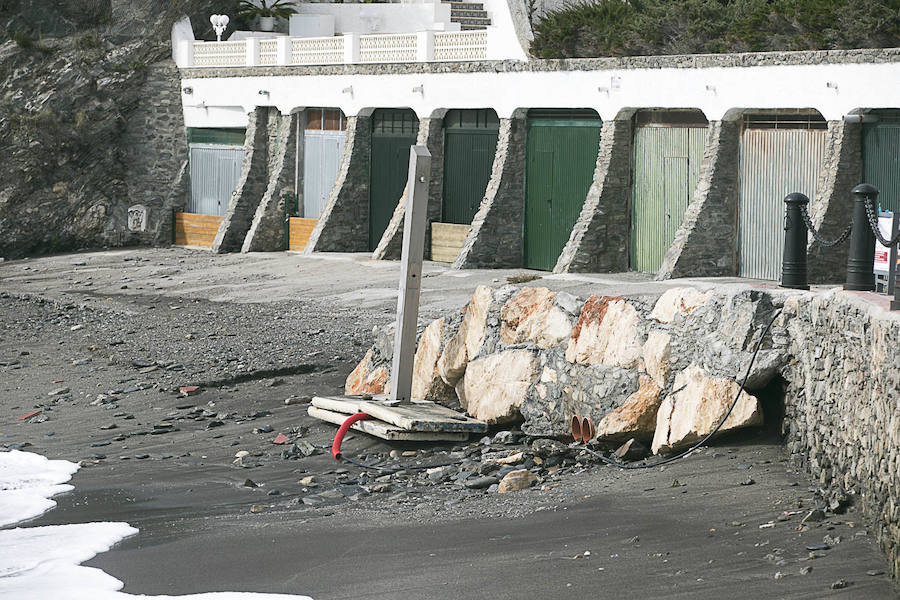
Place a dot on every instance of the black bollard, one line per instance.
(861, 260)
(793, 261)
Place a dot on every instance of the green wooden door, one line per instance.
(561, 155)
(881, 158)
(393, 132)
(666, 169)
(470, 142)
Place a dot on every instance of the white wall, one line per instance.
(381, 18)
(832, 89)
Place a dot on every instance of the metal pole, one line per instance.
(861, 260)
(410, 273)
(793, 261)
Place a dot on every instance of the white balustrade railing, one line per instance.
(388, 48)
(317, 51)
(220, 54)
(423, 46)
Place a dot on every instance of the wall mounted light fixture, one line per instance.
(419, 89)
(187, 90)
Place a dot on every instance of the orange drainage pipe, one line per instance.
(577, 431)
(587, 429)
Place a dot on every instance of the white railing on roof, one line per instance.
(388, 48)
(220, 54)
(460, 45)
(268, 52)
(425, 46)
(317, 51)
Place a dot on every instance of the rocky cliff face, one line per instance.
(89, 119)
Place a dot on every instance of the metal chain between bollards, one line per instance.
(873, 223)
(818, 237)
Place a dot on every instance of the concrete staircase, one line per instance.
(469, 15)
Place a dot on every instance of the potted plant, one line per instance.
(267, 11)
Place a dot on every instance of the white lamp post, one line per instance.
(219, 23)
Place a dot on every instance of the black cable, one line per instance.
(737, 396)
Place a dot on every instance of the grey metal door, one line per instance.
(774, 163)
(666, 169)
(215, 170)
(322, 152)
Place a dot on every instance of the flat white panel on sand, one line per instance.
(386, 431)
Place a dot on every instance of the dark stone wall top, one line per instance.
(688, 61)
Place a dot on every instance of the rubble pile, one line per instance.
(660, 370)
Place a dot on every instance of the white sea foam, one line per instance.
(38, 563)
(27, 482)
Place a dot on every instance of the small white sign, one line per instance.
(883, 253)
(137, 218)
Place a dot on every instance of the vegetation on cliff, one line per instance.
(650, 27)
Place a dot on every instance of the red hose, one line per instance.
(342, 430)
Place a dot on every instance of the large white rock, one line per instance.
(690, 414)
(678, 301)
(494, 387)
(606, 334)
(657, 356)
(366, 378)
(466, 344)
(425, 363)
(532, 316)
(636, 418)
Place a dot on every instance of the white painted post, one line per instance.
(283, 45)
(186, 53)
(425, 46)
(252, 51)
(351, 48)
(410, 273)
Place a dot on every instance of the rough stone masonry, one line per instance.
(663, 370)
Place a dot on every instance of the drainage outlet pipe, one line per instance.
(342, 431)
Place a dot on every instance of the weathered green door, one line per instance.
(881, 158)
(561, 155)
(393, 132)
(470, 142)
(666, 169)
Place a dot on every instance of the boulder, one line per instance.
(607, 333)
(693, 412)
(636, 418)
(520, 479)
(494, 387)
(367, 378)
(532, 316)
(466, 344)
(677, 301)
(426, 381)
(657, 356)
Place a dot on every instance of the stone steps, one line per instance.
(470, 15)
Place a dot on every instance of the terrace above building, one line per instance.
(324, 33)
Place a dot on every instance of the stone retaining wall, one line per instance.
(686, 61)
(842, 404)
(430, 135)
(250, 187)
(495, 239)
(599, 241)
(267, 229)
(344, 223)
(662, 371)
